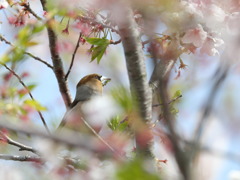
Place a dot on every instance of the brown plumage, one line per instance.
(88, 87)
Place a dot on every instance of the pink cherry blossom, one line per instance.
(196, 36)
(85, 28)
(3, 4)
(209, 46)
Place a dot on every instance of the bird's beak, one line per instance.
(105, 80)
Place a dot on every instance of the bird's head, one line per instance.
(90, 86)
(94, 81)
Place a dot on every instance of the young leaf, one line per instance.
(36, 105)
(97, 41)
(101, 45)
(115, 124)
(31, 86)
(97, 52)
(177, 94)
(135, 170)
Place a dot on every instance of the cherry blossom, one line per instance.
(209, 46)
(196, 36)
(3, 4)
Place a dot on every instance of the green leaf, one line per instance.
(31, 43)
(97, 41)
(174, 110)
(22, 93)
(116, 124)
(38, 29)
(97, 52)
(177, 94)
(101, 45)
(31, 87)
(4, 59)
(12, 92)
(36, 105)
(17, 54)
(135, 170)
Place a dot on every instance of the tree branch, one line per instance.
(30, 94)
(38, 59)
(21, 147)
(159, 82)
(135, 61)
(73, 56)
(180, 156)
(29, 9)
(21, 158)
(58, 67)
(171, 101)
(67, 138)
(57, 62)
(98, 136)
(27, 53)
(219, 76)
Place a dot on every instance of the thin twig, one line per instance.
(38, 59)
(97, 135)
(173, 100)
(116, 42)
(73, 56)
(180, 156)
(21, 146)
(30, 94)
(28, 8)
(21, 158)
(4, 40)
(68, 138)
(27, 53)
(220, 76)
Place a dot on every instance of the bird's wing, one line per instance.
(83, 94)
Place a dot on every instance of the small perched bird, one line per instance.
(88, 87)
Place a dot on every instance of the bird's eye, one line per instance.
(98, 77)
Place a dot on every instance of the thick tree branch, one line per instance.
(159, 83)
(135, 61)
(58, 67)
(57, 62)
(30, 94)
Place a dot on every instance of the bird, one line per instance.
(88, 87)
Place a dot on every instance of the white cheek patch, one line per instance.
(105, 80)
